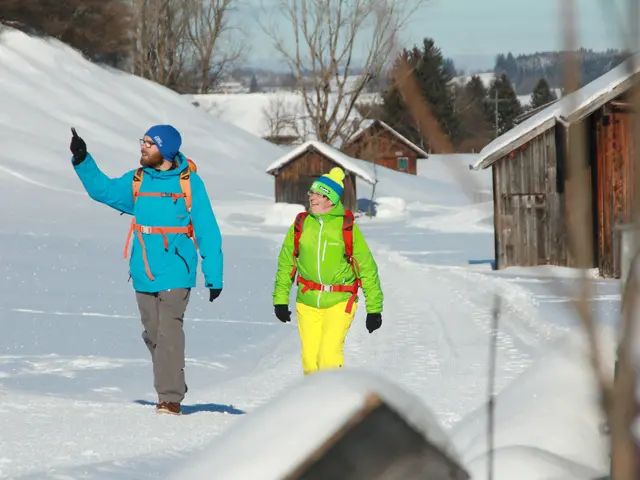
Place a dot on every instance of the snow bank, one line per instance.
(454, 169)
(274, 439)
(551, 271)
(548, 422)
(282, 214)
(475, 218)
(390, 207)
(46, 87)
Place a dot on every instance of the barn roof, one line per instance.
(569, 109)
(369, 123)
(359, 168)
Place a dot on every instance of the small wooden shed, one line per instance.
(529, 166)
(295, 171)
(378, 143)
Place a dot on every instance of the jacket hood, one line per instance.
(180, 159)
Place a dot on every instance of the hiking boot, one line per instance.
(169, 407)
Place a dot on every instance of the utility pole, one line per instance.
(496, 109)
(497, 101)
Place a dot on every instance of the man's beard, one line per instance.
(151, 161)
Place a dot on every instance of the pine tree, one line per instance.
(449, 67)
(508, 105)
(474, 116)
(253, 87)
(434, 78)
(542, 94)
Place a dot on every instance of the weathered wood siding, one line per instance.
(382, 147)
(293, 181)
(528, 208)
(615, 153)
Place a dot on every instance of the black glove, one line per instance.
(77, 147)
(374, 321)
(283, 313)
(214, 293)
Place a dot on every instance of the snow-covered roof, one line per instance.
(274, 440)
(369, 123)
(569, 109)
(358, 167)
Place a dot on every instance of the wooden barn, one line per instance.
(377, 142)
(529, 164)
(296, 171)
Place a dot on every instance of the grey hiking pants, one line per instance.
(162, 315)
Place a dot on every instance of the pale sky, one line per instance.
(484, 28)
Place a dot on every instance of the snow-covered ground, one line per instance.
(76, 390)
(281, 113)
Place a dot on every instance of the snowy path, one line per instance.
(433, 341)
(82, 411)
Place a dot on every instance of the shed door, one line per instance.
(614, 170)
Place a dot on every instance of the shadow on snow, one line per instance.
(201, 407)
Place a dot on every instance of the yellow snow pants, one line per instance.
(322, 335)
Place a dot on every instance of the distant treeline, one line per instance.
(525, 71)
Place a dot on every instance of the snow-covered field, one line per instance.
(76, 389)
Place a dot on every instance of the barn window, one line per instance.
(403, 163)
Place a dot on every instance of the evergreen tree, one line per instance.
(434, 79)
(542, 94)
(253, 87)
(513, 70)
(501, 64)
(450, 67)
(502, 93)
(474, 116)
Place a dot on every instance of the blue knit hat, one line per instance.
(167, 138)
(330, 185)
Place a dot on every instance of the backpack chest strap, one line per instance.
(353, 289)
(164, 231)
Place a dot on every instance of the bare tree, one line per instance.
(324, 52)
(278, 117)
(160, 48)
(184, 44)
(216, 43)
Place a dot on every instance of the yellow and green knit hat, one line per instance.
(330, 185)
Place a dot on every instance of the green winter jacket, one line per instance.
(322, 260)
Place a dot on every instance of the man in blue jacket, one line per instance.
(172, 219)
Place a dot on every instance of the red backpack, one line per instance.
(347, 235)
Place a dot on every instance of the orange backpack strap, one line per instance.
(192, 165)
(297, 232)
(185, 185)
(135, 184)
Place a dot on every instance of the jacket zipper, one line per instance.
(319, 259)
(185, 262)
(324, 250)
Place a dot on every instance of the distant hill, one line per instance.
(525, 70)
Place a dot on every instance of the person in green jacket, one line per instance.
(328, 282)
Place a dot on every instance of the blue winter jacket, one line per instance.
(176, 266)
